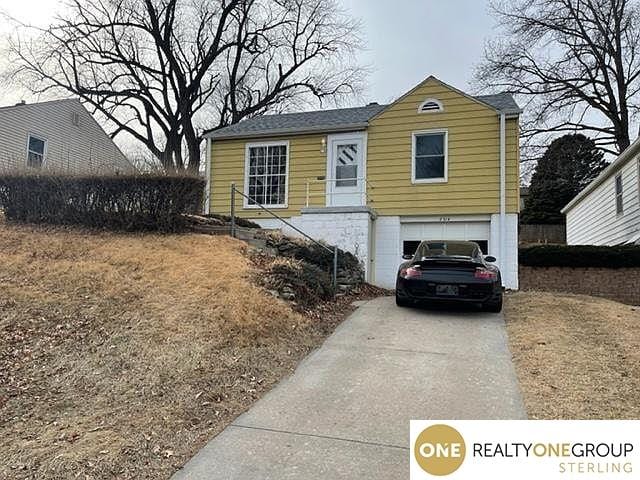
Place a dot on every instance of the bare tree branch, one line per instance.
(574, 62)
(162, 71)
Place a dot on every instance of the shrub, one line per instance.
(623, 256)
(119, 202)
(307, 282)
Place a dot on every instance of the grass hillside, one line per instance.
(121, 355)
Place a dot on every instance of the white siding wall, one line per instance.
(84, 148)
(594, 221)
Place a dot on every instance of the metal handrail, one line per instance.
(366, 184)
(333, 250)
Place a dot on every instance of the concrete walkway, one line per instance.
(345, 412)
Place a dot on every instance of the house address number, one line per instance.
(445, 219)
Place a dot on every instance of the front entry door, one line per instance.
(345, 184)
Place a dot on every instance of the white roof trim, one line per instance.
(353, 127)
(611, 169)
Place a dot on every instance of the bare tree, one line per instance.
(577, 62)
(159, 70)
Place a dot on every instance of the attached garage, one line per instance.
(412, 232)
(396, 236)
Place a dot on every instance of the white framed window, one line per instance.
(266, 174)
(619, 191)
(431, 105)
(429, 162)
(36, 151)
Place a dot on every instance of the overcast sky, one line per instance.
(407, 40)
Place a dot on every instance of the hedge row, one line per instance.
(624, 256)
(119, 202)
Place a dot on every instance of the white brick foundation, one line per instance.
(378, 243)
(347, 227)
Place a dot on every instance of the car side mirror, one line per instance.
(407, 257)
(490, 259)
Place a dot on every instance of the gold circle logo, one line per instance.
(439, 450)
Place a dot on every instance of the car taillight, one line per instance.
(485, 273)
(410, 272)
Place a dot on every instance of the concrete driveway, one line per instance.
(345, 412)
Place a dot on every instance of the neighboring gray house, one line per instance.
(607, 211)
(58, 136)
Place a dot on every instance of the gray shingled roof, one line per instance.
(337, 120)
(503, 102)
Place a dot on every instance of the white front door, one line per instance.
(345, 172)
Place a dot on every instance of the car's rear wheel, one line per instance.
(402, 302)
(494, 305)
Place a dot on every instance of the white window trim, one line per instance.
(46, 148)
(246, 173)
(431, 100)
(444, 179)
(615, 193)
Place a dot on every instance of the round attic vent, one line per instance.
(430, 105)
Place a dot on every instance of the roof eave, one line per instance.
(288, 131)
(629, 153)
(511, 113)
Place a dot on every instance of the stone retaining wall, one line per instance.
(622, 284)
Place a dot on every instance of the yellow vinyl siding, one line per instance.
(306, 161)
(473, 184)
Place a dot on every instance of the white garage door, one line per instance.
(411, 234)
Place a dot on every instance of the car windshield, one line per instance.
(443, 248)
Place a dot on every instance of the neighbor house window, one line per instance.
(429, 159)
(37, 148)
(619, 205)
(266, 174)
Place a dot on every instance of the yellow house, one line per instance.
(376, 180)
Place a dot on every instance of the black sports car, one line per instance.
(443, 270)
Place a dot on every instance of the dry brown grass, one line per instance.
(577, 357)
(121, 355)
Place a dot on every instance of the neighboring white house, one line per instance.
(58, 136)
(607, 211)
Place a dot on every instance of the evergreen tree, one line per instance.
(570, 163)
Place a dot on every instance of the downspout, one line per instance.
(207, 169)
(503, 191)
